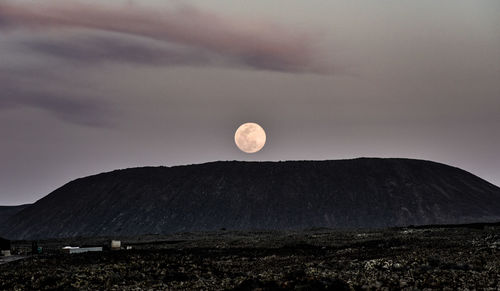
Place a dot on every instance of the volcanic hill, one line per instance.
(358, 193)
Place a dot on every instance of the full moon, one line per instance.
(250, 137)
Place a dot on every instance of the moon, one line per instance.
(250, 137)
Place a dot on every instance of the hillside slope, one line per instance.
(7, 211)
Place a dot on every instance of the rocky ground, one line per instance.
(321, 259)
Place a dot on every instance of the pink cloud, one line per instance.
(256, 44)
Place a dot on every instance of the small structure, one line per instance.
(5, 247)
(116, 245)
(79, 250)
(35, 249)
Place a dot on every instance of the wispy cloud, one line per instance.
(201, 34)
(91, 34)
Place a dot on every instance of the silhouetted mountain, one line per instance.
(359, 193)
(7, 211)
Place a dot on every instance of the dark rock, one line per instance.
(255, 284)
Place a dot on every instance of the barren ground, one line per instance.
(321, 259)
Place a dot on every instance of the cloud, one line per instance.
(77, 111)
(258, 45)
(74, 107)
(92, 49)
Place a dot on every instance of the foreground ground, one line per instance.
(436, 258)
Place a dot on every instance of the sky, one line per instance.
(87, 87)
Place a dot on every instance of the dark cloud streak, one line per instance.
(90, 50)
(73, 107)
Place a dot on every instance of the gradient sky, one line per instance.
(87, 87)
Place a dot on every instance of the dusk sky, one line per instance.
(87, 87)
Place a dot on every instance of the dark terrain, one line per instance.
(359, 193)
(443, 258)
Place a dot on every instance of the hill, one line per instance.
(358, 193)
